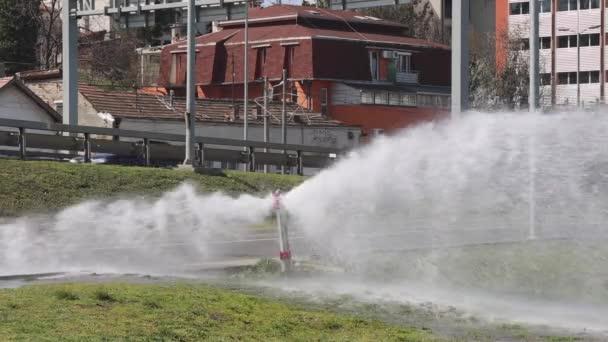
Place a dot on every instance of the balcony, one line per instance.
(406, 77)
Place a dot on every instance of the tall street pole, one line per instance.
(190, 87)
(533, 96)
(578, 54)
(265, 116)
(70, 63)
(246, 75)
(460, 56)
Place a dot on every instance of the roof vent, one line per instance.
(372, 18)
(361, 17)
(313, 12)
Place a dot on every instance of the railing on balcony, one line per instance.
(407, 77)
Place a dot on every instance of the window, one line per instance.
(289, 59)
(594, 76)
(594, 39)
(515, 8)
(566, 78)
(381, 97)
(367, 97)
(545, 79)
(324, 101)
(562, 41)
(584, 77)
(545, 42)
(404, 63)
(589, 4)
(584, 40)
(545, 6)
(572, 41)
(260, 63)
(567, 5)
(408, 99)
(373, 63)
(394, 98)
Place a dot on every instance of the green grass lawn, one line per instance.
(174, 312)
(36, 186)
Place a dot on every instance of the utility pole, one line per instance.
(284, 116)
(265, 115)
(70, 63)
(190, 87)
(246, 75)
(533, 96)
(578, 54)
(460, 56)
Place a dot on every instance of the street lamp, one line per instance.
(578, 57)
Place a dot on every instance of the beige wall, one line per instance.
(51, 91)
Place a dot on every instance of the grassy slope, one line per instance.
(94, 312)
(43, 186)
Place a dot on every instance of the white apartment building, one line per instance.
(572, 38)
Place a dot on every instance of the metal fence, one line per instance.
(27, 139)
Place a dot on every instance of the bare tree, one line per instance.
(418, 16)
(112, 62)
(49, 34)
(505, 86)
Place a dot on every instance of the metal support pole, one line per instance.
(533, 96)
(201, 154)
(87, 148)
(460, 56)
(251, 163)
(265, 115)
(284, 116)
(22, 146)
(246, 76)
(70, 63)
(578, 54)
(300, 163)
(147, 151)
(191, 87)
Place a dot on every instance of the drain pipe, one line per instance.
(281, 216)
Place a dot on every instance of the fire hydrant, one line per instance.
(281, 217)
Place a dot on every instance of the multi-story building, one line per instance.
(572, 38)
(357, 69)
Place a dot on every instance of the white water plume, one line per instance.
(128, 235)
(506, 204)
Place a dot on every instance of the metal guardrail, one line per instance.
(150, 146)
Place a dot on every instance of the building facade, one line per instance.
(357, 69)
(572, 39)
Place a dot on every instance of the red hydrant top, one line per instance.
(276, 200)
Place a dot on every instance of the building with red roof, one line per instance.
(357, 69)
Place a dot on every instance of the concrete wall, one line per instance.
(335, 137)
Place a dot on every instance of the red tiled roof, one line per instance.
(155, 107)
(282, 12)
(34, 75)
(233, 34)
(295, 32)
(4, 81)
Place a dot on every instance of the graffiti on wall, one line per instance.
(324, 137)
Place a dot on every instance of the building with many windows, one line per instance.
(572, 41)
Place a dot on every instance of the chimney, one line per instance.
(59, 107)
